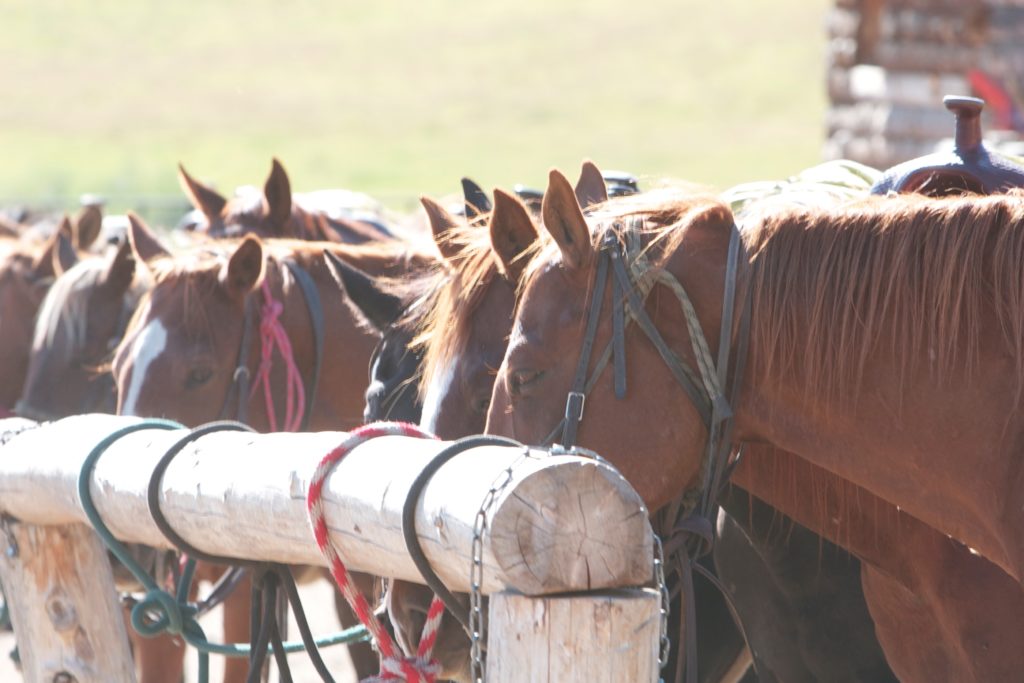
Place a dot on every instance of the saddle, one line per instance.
(969, 168)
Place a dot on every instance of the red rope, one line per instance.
(395, 666)
(273, 334)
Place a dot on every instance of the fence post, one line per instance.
(67, 619)
(610, 635)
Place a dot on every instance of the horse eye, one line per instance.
(198, 377)
(522, 379)
(482, 404)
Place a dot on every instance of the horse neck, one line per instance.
(910, 439)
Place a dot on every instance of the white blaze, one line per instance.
(440, 384)
(146, 348)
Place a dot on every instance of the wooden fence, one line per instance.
(566, 555)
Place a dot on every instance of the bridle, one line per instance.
(687, 522)
(241, 379)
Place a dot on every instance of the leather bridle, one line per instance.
(687, 522)
(241, 378)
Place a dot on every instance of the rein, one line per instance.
(687, 521)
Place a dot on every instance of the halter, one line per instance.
(686, 520)
(242, 376)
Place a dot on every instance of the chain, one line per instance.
(659, 578)
(476, 572)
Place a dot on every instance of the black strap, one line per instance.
(675, 365)
(412, 541)
(265, 627)
(316, 317)
(242, 376)
(156, 481)
(575, 402)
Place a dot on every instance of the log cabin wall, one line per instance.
(890, 62)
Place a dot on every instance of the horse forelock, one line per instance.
(833, 285)
(446, 297)
(65, 308)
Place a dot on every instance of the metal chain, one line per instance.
(476, 571)
(659, 578)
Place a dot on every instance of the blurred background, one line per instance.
(401, 98)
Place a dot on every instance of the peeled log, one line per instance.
(563, 523)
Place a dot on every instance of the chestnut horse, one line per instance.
(875, 325)
(467, 299)
(808, 621)
(27, 269)
(274, 212)
(178, 356)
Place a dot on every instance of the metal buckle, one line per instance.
(574, 404)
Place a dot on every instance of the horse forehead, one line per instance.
(147, 346)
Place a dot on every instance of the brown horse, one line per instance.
(837, 373)
(461, 318)
(178, 357)
(274, 212)
(27, 269)
(81, 320)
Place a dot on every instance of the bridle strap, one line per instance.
(242, 376)
(675, 365)
(311, 296)
(687, 518)
(577, 395)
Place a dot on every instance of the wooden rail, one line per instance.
(561, 524)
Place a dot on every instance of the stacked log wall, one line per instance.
(890, 63)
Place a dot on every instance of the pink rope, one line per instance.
(273, 334)
(395, 665)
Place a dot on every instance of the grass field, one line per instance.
(399, 98)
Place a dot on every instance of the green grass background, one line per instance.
(401, 98)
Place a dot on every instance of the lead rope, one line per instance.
(395, 665)
(273, 335)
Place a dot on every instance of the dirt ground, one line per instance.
(318, 600)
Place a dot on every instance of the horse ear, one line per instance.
(146, 246)
(120, 270)
(364, 296)
(564, 219)
(245, 267)
(441, 223)
(87, 227)
(512, 232)
(203, 197)
(58, 254)
(591, 189)
(278, 194)
(476, 199)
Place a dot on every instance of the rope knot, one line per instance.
(408, 669)
(159, 612)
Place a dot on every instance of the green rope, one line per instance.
(5, 612)
(158, 611)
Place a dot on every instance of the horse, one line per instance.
(81, 320)
(471, 278)
(824, 334)
(179, 354)
(27, 269)
(272, 212)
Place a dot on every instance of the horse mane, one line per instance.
(64, 309)
(828, 282)
(441, 298)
